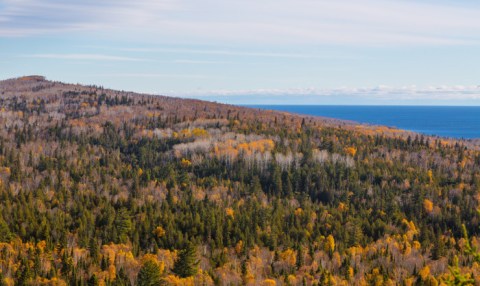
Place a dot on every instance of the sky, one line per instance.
(388, 52)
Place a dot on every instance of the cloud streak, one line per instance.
(201, 62)
(379, 94)
(153, 75)
(83, 57)
(358, 22)
(231, 52)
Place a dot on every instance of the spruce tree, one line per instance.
(5, 234)
(149, 274)
(93, 281)
(24, 273)
(187, 263)
(121, 279)
(299, 260)
(438, 249)
(94, 249)
(123, 224)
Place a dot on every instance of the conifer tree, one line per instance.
(5, 234)
(149, 274)
(187, 263)
(93, 281)
(121, 279)
(123, 224)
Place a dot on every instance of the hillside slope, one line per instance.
(107, 187)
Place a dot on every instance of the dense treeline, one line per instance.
(100, 187)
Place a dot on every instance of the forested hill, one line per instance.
(104, 187)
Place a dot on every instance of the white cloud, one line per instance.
(303, 95)
(152, 75)
(359, 22)
(231, 52)
(33, 17)
(197, 62)
(95, 57)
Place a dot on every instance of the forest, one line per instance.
(105, 187)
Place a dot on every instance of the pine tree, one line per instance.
(24, 273)
(94, 249)
(5, 234)
(121, 279)
(93, 281)
(299, 260)
(149, 274)
(123, 224)
(256, 186)
(438, 249)
(187, 263)
(2, 283)
(277, 180)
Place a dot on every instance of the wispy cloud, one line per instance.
(201, 62)
(38, 17)
(231, 52)
(82, 57)
(152, 75)
(358, 22)
(432, 94)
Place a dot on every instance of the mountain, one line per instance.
(105, 187)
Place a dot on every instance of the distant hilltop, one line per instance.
(32, 78)
(37, 87)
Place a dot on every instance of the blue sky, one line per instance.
(253, 51)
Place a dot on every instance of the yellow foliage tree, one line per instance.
(428, 205)
(239, 247)
(416, 245)
(298, 211)
(112, 272)
(269, 282)
(177, 281)
(289, 256)
(159, 231)
(229, 212)
(351, 151)
(199, 132)
(430, 176)
(41, 246)
(291, 279)
(330, 244)
(350, 272)
(409, 281)
(185, 163)
(424, 273)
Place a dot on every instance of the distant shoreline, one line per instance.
(458, 122)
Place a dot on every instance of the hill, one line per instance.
(105, 187)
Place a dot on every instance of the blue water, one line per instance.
(445, 121)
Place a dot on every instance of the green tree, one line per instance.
(94, 249)
(299, 260)
(24, 273)
(149, 275)
(5, 234)
(121, 279)
(2, 283)
(438, 249)
(124, 225)
(187, 263)
(93, 281)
